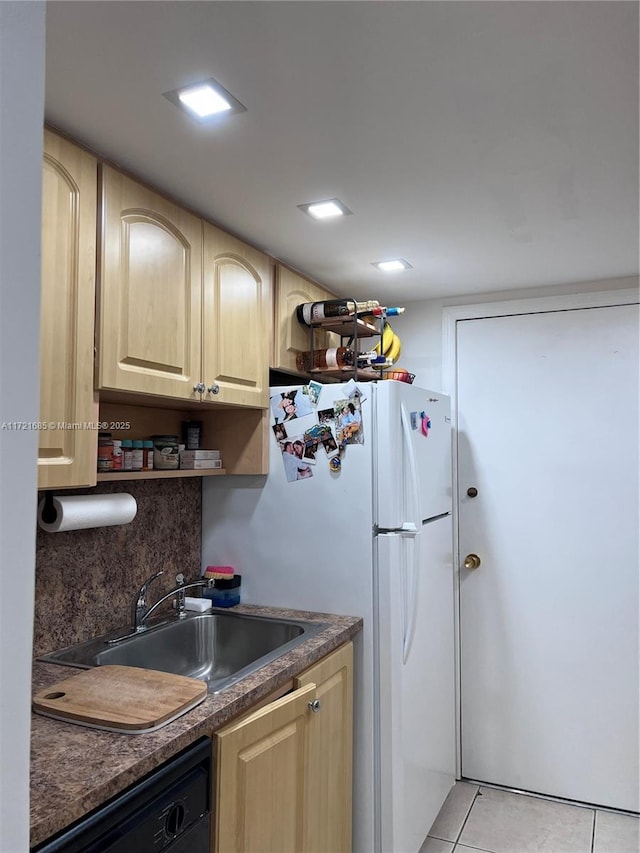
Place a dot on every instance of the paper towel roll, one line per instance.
(77, 512)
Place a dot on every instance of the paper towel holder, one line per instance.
(49, 513)
(58, 513)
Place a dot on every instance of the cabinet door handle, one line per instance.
(199, 388)
(315, 705)
(213, 389)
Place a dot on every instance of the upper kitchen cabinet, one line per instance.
(290, 337)
(150, 292)
(67, 454)
(236, 321)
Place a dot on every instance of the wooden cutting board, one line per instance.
(121, 698)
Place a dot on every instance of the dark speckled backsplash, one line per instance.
(86, 579)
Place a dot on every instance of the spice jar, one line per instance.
(127, 452)
(117, 455)
(147, 456)
(136, 455)
(105, 452)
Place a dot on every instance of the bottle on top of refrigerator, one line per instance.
(324, 359)
(314, 312)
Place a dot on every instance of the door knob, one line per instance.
(471, 561)
(213, 389)
(199, 388)
(472, 491)
(315, 705)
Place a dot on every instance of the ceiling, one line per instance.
(493, 145)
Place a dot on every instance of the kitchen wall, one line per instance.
(86, 580)
(420, 327)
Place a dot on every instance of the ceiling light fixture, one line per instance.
(392, 265)
(327, 209)
(205, 100)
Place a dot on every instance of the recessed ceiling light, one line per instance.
(393, 265)
(205, 100)
(327, 209)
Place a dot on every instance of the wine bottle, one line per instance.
(314, 312)
(324, 359)
(370, 359)
(380, 311)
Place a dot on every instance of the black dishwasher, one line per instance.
(169, 810)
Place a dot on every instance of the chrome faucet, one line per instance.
(140, 604)
(141, 613)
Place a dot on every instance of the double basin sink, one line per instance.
(217, 647)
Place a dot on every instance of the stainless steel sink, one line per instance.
(220, 648)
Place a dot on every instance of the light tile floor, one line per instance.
(476, 819)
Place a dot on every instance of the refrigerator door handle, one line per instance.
(411, 581)
(412, 466)
(411, 527)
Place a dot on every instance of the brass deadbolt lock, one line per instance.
(471, 561)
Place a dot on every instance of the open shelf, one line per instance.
(344, 326)
(363, 374)
(158, 475)
(351, 329)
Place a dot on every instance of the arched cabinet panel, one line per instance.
(236, 321)
(290, 336)
(68, 409)
(150, 292)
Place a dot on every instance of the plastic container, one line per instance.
(127, 451)
(105, 452)
(191, 431)
(225, 593)
(137, 455)
(117, 455)
(165, 452)
(147, 456)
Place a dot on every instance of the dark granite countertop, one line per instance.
(75, 769)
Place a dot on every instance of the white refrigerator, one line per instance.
(372, 538)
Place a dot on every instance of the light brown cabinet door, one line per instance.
(289, 335)
(329, 749)
(262, 778)
(236, 321)
(67, 455)
(149, 293)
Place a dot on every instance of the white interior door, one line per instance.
(548, 435)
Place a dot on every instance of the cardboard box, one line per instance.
(189, 455)
(199, 464)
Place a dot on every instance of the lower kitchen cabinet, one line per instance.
(330, 753)
(283, 778)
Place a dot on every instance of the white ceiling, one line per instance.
(494, 145)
